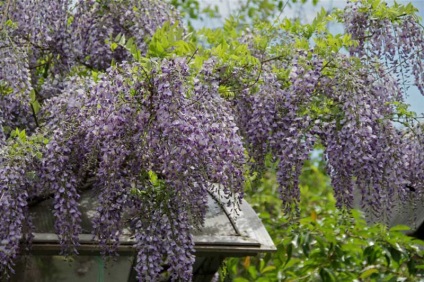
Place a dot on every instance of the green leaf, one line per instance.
(419, 266)
(289, 253)
(22, 135)
(153, 178)
(252, 271)
(122, 40)
(130, 44)
(240, 279)
(261, 264)
(280, 5)
(113, 46)
(368, 272)
(400, 228)
(251, 11)
(268, 268)
(395, 254)
(327, 275)
(36, 106)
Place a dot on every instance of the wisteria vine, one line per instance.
(80, 108)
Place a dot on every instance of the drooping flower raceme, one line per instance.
(97, 23)
(395, 39)
(15, 87)
(59, 36)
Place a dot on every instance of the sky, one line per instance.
(308, 11)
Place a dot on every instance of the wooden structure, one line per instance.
(222, 236)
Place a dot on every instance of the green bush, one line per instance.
(324, 243)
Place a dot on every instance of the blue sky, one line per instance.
(308, 11)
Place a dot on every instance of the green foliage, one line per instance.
(189, 7)
(324, 243)
(22, 145)
(265, 10)
(224, 45)
(246, 10)
(35, 105)
(403, 114)
(169, 41)
(379, 9)
(5, 89)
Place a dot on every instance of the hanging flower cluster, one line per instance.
(396, 39)
(15, 88)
